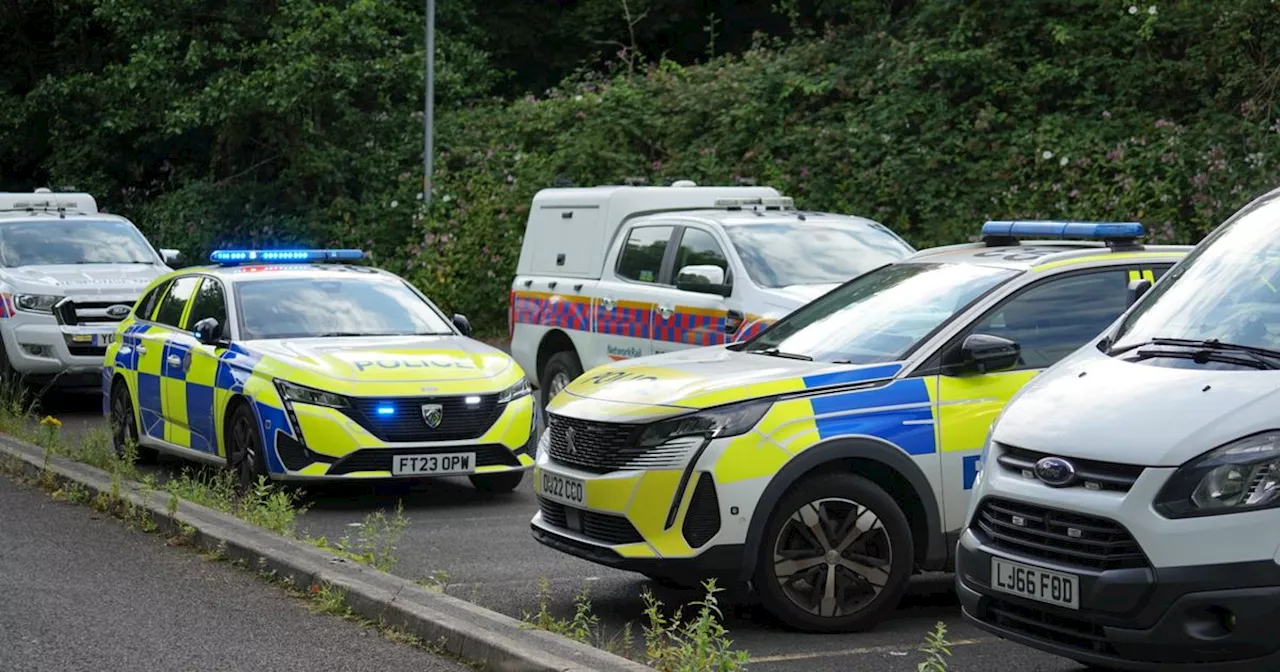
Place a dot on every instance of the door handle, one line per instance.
(142, 349)
(732, 320)
(174, 360)
(608, 303)
(665, 311)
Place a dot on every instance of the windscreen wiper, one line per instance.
(1207, 350)
(775, 352)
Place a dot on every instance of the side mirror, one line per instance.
(170, 256)
(704, 278)
(985, 353)
(1135, 291)
(462, 323)
(208, 331)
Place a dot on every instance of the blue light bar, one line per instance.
(235, 257)
(1055, 230)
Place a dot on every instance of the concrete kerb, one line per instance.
(470, 632)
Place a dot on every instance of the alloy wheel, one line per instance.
(832, 557)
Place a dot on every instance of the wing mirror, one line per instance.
(462, 323)
(1136, 289)
(208, 331)
(704, 278)
(170, 255)
(984, 353)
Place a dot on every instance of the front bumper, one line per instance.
(1139, 618)
(40, 348)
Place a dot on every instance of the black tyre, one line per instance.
(561, 369)
(244, 447)
(837, 554)
(504, 481)
(124, 425)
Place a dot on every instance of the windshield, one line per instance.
(1227, 289)
(72, 241)
(310, 307)
(782, 254)
(880, 316)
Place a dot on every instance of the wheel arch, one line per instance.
(118, 378)
(882, 463)
(554, 341)
(236, 400)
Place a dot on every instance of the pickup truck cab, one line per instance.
(618, 272)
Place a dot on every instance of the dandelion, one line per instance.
(1046, 155)
(50, 421)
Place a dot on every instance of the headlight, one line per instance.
(307, 395)
(715, 423)
(36, 303)
(1243, 475)
(514, 392)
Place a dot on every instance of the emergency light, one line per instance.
(1110, 231)
(236, 257)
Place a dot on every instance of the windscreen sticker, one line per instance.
(646, 276)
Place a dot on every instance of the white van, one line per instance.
(616, 272)
(1127, 514)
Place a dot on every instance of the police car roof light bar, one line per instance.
(1009, 232)
(237, 257)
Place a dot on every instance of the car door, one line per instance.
(166, 350)
(623, 312)
(196, 393)
(690, 312)
(1049, 319)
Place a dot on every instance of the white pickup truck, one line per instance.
(614, 272)
(68, 275)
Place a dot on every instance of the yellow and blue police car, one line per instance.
(827, 459)
(273, 363)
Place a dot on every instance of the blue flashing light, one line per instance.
(236, 257)
(386, 410)
(1064, 230)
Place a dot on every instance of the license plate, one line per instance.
(103, 340)
(1035, 583)
(444, 463)
(563, 489)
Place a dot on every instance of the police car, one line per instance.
(273, 364)
(830, 457)
(1126, 516)
(68, 275)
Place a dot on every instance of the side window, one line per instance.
(210, 301)
(1054, 318)
(148, 302)
(699, 248)
(642, 253)
(180, 290)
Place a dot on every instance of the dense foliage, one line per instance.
(219, 122)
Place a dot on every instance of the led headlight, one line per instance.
(307, 395)
(1243, 475)
(715, 423)
(36, 303)
(520, 389)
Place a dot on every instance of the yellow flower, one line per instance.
(51, 421)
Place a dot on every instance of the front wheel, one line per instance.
(244, 447)
(836, 556)
(561, 369)
(504, 481)
(124, 426)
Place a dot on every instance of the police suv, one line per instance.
(291, 364)
(830, 457)
(617, 272)
(1128, 508)
(68, 275)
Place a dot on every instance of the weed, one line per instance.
(936, 650)
(437, 580)
(583, 626)
(330, 600)
(701, 643)
(375, 544)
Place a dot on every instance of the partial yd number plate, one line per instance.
(433, 465)
(1035, 583)
(563, 489)
(103, 340)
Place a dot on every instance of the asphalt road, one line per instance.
(80, 591)
(483, 543)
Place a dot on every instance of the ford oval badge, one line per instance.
(1055, 471)
(118, 311)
